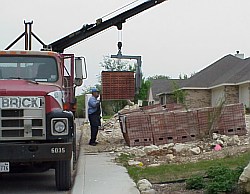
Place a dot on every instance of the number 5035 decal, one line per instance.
(58, 150)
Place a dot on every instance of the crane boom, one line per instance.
(92, 29)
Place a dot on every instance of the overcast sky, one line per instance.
(178, 36)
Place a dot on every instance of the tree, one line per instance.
(115, 65)
(80, 106)
(143, 93)
(192, 74)
(154, 77)
(179, 94)
(185, 76)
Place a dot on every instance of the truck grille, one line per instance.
(23, 123)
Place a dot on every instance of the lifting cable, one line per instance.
(119, 35)
(119, 43)
(119, 9)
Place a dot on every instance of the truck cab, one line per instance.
(37, 104)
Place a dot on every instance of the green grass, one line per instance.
(107, 117)
(169, 172)
(124, 158)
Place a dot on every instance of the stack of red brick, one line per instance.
(172, 127)
(229, 120)
(153, 108)
(174, 107)
(162, 127)
(136, 129)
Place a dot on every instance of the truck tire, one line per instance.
(63, 175)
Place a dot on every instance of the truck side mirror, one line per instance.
(79, 71)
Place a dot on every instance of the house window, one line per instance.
(151, 103)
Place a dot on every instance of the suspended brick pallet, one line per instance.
(118, 85)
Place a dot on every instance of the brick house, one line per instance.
(227, 79)
(161, 91)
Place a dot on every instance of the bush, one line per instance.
(217, 171)
(80, 110)
(195, 182)
(220, 185)
(222, 179)
(218, 179)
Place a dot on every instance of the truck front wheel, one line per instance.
(63, 175)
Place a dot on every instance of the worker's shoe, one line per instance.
(92, 144)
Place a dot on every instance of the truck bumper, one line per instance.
(10, 152)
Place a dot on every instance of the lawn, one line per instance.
(171, 172)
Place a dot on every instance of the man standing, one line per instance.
(94, 112)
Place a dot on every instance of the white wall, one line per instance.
(218, 95)
(244, 94)
(150, 96)
(87, 96)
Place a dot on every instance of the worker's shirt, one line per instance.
(93, 104)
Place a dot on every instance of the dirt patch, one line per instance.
(174, 188)
(109, 138)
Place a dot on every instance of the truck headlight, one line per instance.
(59, 126)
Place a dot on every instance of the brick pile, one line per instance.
(229, 120)
(204, 117)
(232, 120)
(136, 129)
(153, 108)
(174, 107)
(164, 133)
(162, 127)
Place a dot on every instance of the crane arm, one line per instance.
(92, 29)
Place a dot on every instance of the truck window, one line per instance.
(40, 69)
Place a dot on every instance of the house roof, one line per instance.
(227, 70)
(164, 86)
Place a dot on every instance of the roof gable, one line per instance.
(242, 74)
(222, 71)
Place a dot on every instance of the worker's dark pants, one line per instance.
(95, 122)
(94, 132)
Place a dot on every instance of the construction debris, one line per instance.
(195, 151)
(151, 148)
(217, 147)
(134, 163)
(144, 185)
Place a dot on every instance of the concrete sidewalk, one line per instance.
(97, 174)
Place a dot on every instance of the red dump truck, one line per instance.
(37, 102)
